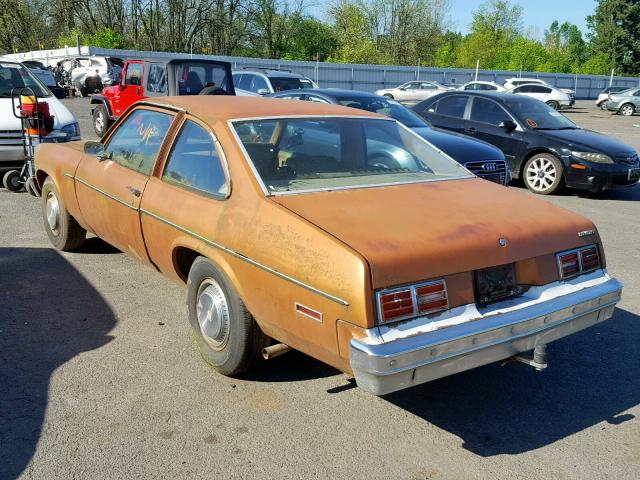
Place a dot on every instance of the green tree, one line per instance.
(615, 32)
(311, 39)
(353, 34)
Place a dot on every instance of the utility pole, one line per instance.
(611, 78)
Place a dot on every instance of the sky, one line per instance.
(536, 13)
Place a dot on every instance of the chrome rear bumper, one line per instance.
(393, 358)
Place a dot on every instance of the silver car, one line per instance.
(554, 97)
(413, 92)
(625, 103)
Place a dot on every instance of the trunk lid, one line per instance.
(416, 232)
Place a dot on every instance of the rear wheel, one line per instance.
(64, 232)
(553, 104)
(627, 110)
(11, 181)
(101, 120)
(228, 337)
(543, 174)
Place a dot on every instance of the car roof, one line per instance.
(333, 92)
(214, 108)
(269, 72)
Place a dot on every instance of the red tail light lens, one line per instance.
(575, 262)
(432, 297)
(396, 305)
(590, 259)
(412, 301)
(569, 264)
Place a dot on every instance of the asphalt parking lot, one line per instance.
(99, 378)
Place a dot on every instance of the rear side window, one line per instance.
(194, 162)
(453, 106)
(136, 142)
(258, 84)
(539, 89)
(486, 111)
(134, 74)
(156, 79)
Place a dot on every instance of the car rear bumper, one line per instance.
(399, 357)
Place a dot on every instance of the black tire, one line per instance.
(11, 181)
(64, 233)
(627, 110)
(101, 121)
(553, 104)
(547, 182)
(234, 344)
(388, 95)
(82, 90)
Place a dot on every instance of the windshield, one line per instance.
(194, 76)
(384, 107)
(290, 83)
(538, 115)
(307, 154)
(14, 75)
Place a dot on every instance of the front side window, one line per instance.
(453, 106)
(194, 162)
(427, 86)
(306, 154)
(134, 74)
(136, 142)
(486, 111)
(259, 83)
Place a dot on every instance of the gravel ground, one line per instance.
(99, 378)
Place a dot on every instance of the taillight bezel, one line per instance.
(415, 313)
(579, 252)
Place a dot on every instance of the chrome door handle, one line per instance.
(135, 191)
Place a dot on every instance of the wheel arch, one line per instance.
(631, 104)
(101, 100)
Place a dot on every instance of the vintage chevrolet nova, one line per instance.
(292, 226)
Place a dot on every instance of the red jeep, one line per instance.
(159, 77)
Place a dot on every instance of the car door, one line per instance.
(484, 119)
(130, 89)
(109, 188)
(426, 90)
(193, 180)
(408, 92)
(447, 112)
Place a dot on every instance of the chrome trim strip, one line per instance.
(65, 174)
(120, 201)
(246, 259)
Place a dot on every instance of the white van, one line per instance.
(13, 74)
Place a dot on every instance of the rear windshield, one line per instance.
(192, 77)
(384, 106)
(307, 154)
(14, 75)
(290, 83)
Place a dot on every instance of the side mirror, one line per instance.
(263, 91)
(508, 125)
(402, 88)
(96, 149)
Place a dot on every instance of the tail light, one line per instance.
(581, 260)
(412, 301)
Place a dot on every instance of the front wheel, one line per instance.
(388, 95)
(553, 104)
(228, 337)
(543, 174)
(63, 230)
(11, 181)
(627, 110)
(101, 120)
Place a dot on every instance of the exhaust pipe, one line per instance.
(274, 350)
(538, 361)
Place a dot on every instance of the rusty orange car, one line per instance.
(333, 231)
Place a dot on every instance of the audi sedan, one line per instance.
(542, 146)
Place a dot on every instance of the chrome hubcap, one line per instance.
(541, 174)
(627, 110)
(53, 212)
(213, 314)
(100, 121)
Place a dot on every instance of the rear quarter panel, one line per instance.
(60, 161)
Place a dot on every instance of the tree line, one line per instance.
(396, 32)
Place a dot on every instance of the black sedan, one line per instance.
(542, 146)
(479, 157)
